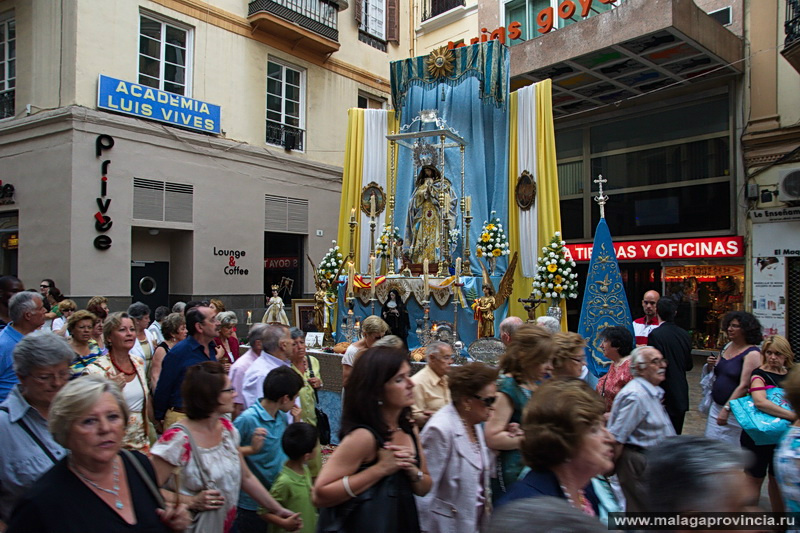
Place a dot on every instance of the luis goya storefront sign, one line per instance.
(145, 102)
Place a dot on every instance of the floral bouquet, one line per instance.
(330, 265)
(385, 240)
(555, 277)
(493, 242)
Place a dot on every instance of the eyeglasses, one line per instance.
(577, 359)
(43, 286)
(487, 401)
(658, 361)
(51, 378)
(229, 389)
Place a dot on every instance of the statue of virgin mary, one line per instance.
(424, 222)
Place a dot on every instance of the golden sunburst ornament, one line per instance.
(440, 62)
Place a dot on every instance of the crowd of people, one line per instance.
(110, 422)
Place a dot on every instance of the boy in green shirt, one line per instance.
(292, 487)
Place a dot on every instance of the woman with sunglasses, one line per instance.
(458, 459)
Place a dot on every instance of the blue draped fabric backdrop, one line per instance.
(475, 106)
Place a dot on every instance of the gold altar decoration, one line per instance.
(440, 62)
(525, 191)
(373, 199)
(485, 306)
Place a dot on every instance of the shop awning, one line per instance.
(634, 49)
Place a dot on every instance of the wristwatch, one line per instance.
(727, 407)
(420, 475)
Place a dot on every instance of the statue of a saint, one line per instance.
(424, 223)
(484, 312)
(275, 312)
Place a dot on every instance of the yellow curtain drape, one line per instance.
(351, 179)
(547, 196)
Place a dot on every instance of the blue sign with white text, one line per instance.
(152, 104)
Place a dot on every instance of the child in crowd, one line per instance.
(292, 488)
(280, 390)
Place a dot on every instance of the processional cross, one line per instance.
(601, 198)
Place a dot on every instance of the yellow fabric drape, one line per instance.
(547, 196)
(351, 179)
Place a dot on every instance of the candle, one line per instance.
(469, 204)
(353, 214)
(426, 288)
(351, 274)
(458, 267)
(249, 318)
(372, 276)
(372, 205)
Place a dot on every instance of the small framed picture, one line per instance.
(303, 315)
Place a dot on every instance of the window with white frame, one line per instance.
(8, 64)
(286, 89)
(165, 50)
(373, 20)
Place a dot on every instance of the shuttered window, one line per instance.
(162, 201)
(285, 215)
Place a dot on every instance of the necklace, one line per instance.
(131, 373)
(476, 445)
(114, 492)
(583, 503)
(394, 430)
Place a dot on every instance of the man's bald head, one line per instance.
(649, 303)
(508, 327)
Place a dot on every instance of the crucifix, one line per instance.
(601, 198)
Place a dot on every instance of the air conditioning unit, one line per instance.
(789, 186)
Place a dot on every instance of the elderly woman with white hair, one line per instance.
(41, 362)
(146, 341)
(239, 368)
(226, 340)
(95, 488)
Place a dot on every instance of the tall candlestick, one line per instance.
(426, 288)
(372, 277)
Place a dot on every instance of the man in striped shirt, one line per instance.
(650, 321)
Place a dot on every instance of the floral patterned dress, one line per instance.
(220, 463)
(140, 430)
(617, 377)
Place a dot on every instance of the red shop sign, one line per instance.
(667, 249)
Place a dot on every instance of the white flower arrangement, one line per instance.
(385, 239)
(330, 265)
(555, 278)
(492, 241)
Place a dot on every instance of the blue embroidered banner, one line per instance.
(604, 300)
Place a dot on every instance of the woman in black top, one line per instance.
(776, 360)
(370, 481)
(95, 488)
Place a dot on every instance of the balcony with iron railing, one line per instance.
(7, 103)
(289, 137)
(791, 49)
(308, 24)
(432, 8)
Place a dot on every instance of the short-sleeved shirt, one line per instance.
(431, 392)
(267, 463)
(9, 337)
(638, 417)
(293, 491)
(253, 387)
(642, 328)
(22, 461)
(612, 382)
(238, 371)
